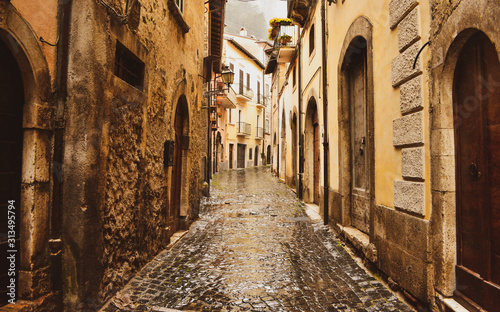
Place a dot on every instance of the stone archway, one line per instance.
(34, 227)
(447, 44)
(312, 153)
(356, 128)
(179, 187)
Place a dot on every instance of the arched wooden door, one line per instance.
(477, 142)
(360, 149)
(11, 146)
(180, 125)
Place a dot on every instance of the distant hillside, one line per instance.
(248, 15)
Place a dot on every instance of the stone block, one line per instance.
(36, 156)
(33, 284)
(402, 65)
(409, 30)
(413, 162)
(443, 173)
(410, 196)
(418, 236)
(379, 228)
(408, 130)
(411, 95)
(398, 10)
(38, 116)
(443, 142)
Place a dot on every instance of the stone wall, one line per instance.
(117, 189)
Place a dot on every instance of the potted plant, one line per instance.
(285, 39)
(275, 24)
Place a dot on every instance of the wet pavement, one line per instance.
(254, 249)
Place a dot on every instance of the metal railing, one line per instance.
(244, 128)
(260, 132)
(286, 31)
(243, 90)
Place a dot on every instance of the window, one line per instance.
(294, 75)
(231, 67)
(250, 154)
(248, 81)
(129, 67)
(267, 126)
(180, 5)
(311, 40)
(258, 92)
(230, 113)
(241, 82)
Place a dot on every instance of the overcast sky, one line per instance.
(254, 15)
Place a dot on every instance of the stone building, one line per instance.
(393, 133)
(246, 140)
(104, 115)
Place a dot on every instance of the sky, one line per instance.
(254, 15)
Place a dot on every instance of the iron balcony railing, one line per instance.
(260, 132)
(287, 37)
(244, 128)
(242, 90)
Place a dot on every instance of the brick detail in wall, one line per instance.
(410, 197)
(408, 130)
(408, 30)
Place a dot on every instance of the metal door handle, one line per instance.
(474, 171)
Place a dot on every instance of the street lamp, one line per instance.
(227, 76)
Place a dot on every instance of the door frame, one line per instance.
(445, 50)
(37, 142)
(360, 28)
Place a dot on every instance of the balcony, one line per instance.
(260, 133)
(243, 93)
(227, 98)
(244, 128)
(285, 43)
(260, 101)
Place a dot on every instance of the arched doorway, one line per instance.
(282, 164)
(294, 151)
(178, 183)
(355, 75)
(476, 110)
(11, 147)
(256, 156)
(268, 154)
(312, 153)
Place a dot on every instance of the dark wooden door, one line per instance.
(294, 151)
(231, 146)
(241, 156)
(175, 201)
(477, 142)
(360, 197)
(11, 142)
(256, 156)
(316, 157)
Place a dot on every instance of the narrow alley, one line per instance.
(254, 249)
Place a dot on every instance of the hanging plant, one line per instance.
(272, 33)
(285, 39)
(277, 21)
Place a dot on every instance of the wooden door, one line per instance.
(241, 156)
(256, 156)
(231, 156)
(11, 145)
(175, 201)
(316, 157)
(294, 151)
(360, 197)
(477, 142)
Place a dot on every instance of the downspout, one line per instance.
(301, 135)
(325, 113)
(55, 242)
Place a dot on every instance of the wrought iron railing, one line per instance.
(244, 128)
(260, 132)
(286, 37)
(243, 90)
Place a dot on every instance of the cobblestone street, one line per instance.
(254, 249)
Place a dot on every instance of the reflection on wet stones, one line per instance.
(255, 249)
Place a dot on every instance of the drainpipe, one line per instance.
(301, 135)
(325, 113)
(55, 242)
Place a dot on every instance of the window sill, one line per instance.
(178, 16)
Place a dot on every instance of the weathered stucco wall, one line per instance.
(117, 190)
